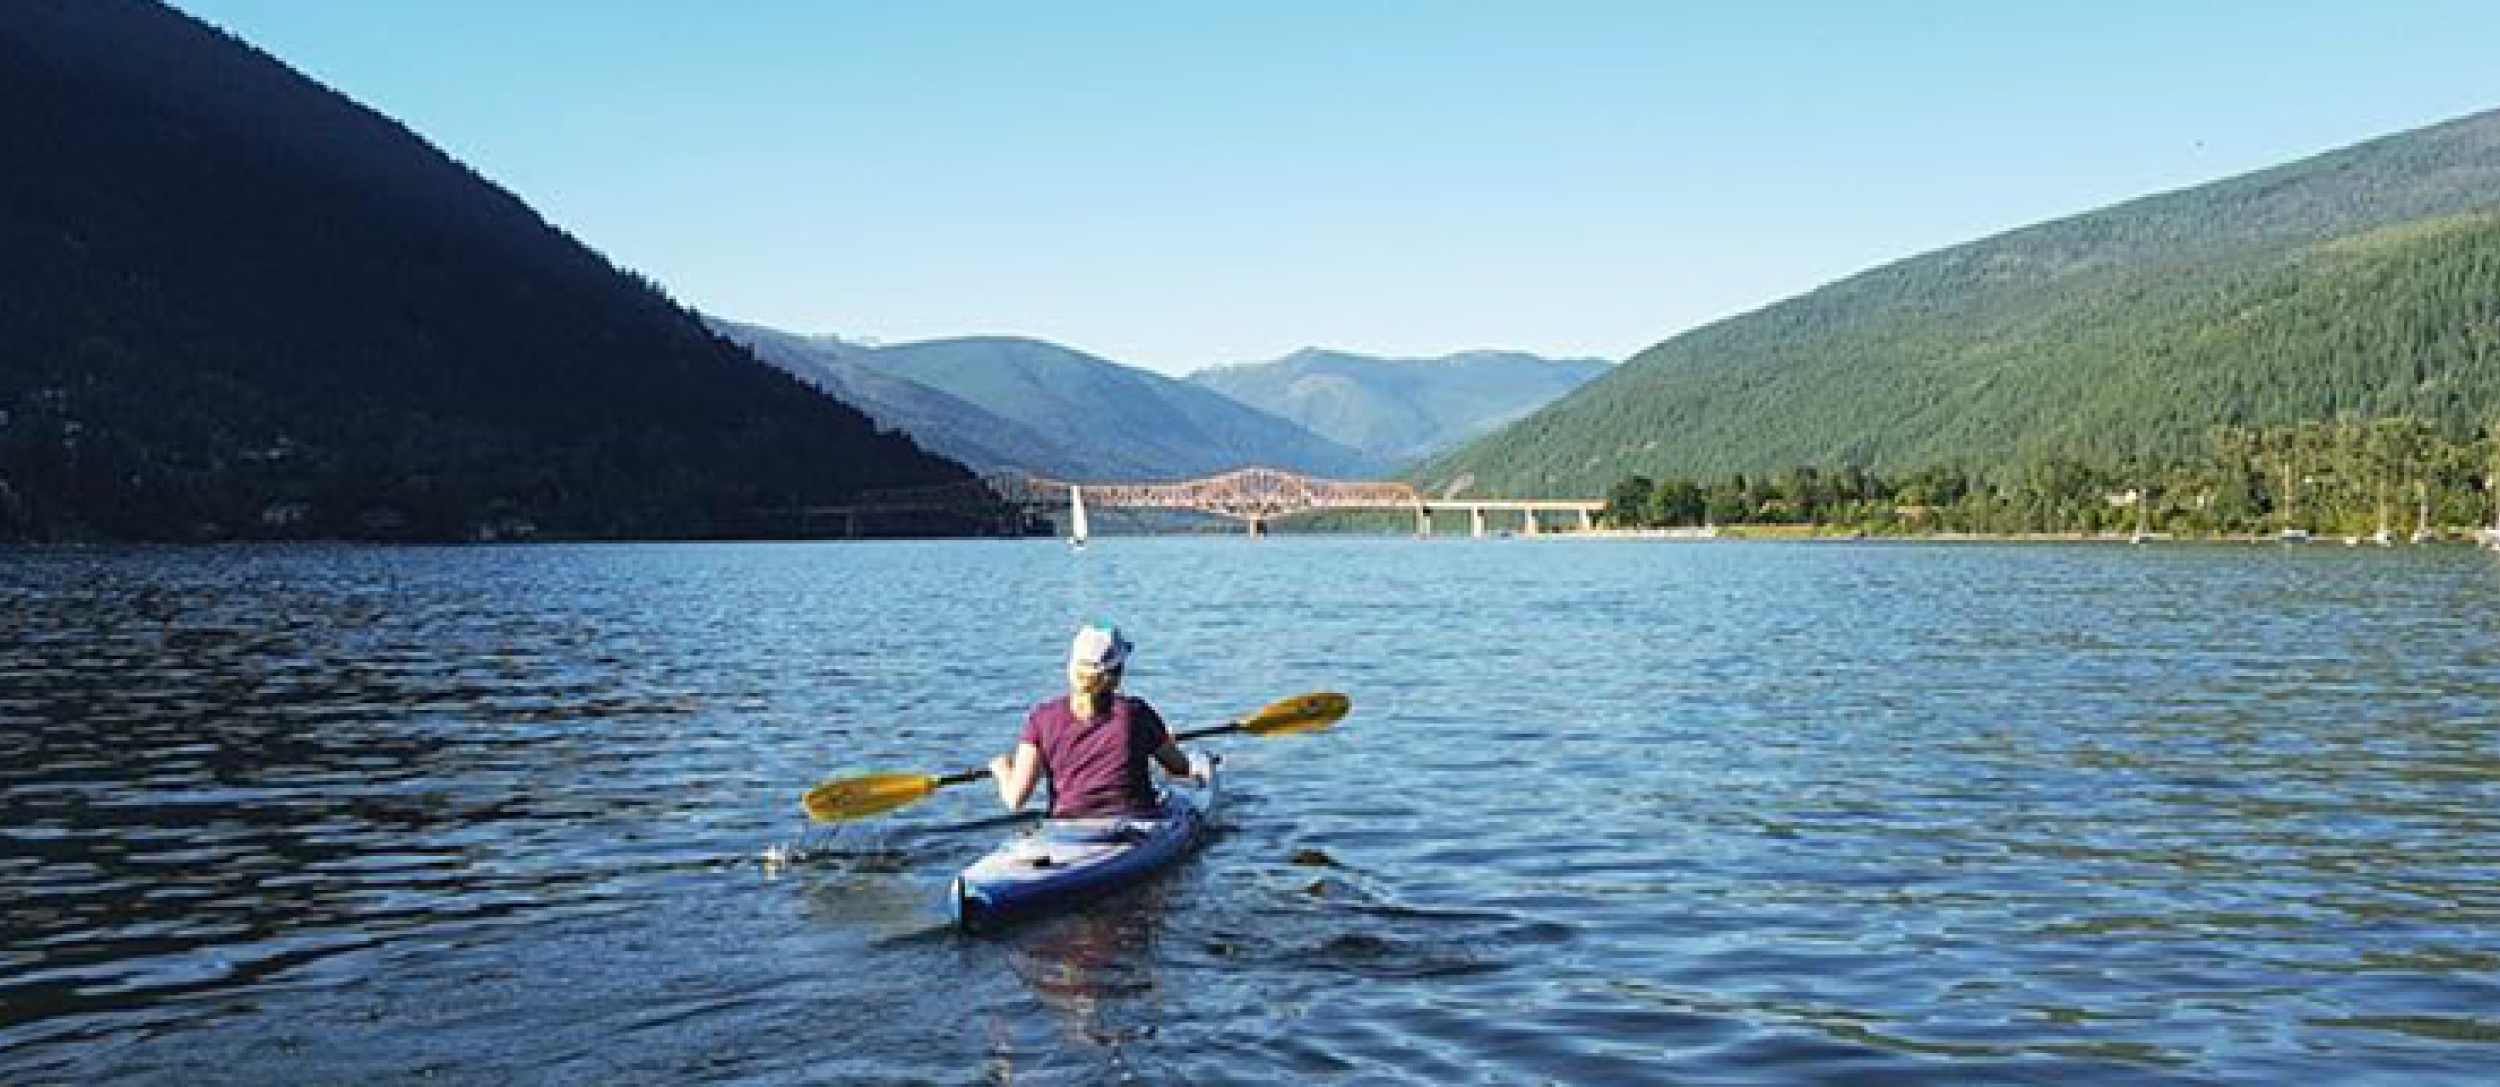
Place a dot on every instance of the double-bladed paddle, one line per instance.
(875, 794)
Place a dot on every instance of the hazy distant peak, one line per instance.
(1070, 413)
(1400, 408)
(1316, 356)
(1524, 358)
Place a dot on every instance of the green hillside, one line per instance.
(2357, 284)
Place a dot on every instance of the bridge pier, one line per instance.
(1255, 496)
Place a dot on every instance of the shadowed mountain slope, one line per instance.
(235, 302)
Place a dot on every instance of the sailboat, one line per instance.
(1077, 530)
(2491, 536)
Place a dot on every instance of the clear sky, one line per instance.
(1175, 184)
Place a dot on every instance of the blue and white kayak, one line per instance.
(1066, 861)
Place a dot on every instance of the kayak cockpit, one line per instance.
(1063, 862)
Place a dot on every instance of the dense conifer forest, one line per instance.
(236, 304)
(2355, 286)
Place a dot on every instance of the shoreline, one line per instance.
(1801, 534)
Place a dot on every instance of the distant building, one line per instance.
(502, 529)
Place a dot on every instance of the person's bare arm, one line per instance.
(1015, 775)
(1174, 762)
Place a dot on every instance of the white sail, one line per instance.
(1076, 516)
(2491, 536)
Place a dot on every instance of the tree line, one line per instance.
(2344, 478)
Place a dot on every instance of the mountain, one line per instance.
(1397, 410)
(945, 424)
(233, 302)
(1128, 419)
(1005, 402)
(2360, 282)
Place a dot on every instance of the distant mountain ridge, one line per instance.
(1397, 410)
(233, 302)
(2124, 332)
(939, 421)
(1001, 402)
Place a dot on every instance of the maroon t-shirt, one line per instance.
(1097, 767)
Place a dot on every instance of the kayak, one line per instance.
(1063, 862)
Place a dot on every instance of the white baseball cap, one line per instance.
(1098, 647)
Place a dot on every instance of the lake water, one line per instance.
(1605, 812)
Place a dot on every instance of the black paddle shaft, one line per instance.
(1211, 730)
(969, 776)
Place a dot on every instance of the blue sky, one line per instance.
(1176, 184)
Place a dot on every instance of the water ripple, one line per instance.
(1605, 813)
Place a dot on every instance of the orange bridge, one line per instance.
(1257, 496)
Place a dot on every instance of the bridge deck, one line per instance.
(1255, 495)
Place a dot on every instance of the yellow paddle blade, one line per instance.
(860, 797)
(1301, 713)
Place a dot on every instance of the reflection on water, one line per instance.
(1604, 813)
(1096, 968)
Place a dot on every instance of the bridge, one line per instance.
(1257, 496)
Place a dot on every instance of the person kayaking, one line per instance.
(1093, 745)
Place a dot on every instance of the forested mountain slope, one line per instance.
(233, 302)
(2358, 282)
